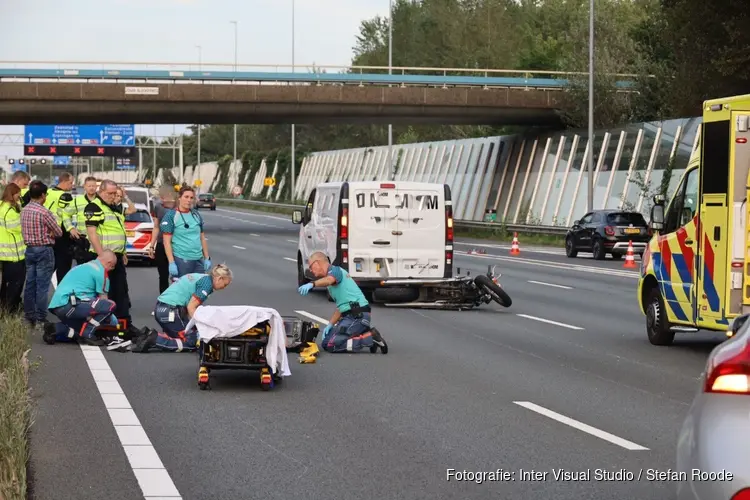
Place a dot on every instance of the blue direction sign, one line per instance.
(79, 135)
(62, 161)
(125, 164)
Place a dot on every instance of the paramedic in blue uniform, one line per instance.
(184, 241)
(349, 329)
(176, 306)
(80, 302)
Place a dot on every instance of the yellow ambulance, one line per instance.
(695, 272)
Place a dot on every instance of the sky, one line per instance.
(61, 33)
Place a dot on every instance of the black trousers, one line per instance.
(118, 289)
(63, 256)
(162, 264)
(11, 288)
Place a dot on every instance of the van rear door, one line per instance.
(420, 214)
(371, 238)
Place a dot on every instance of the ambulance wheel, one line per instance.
(657, 324)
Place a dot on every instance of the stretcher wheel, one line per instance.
(266, 380)
(203, 378)
(203, 386)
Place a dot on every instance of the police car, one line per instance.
(138, 228)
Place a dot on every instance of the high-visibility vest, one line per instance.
(24, 199)
(12, 247)
(109, 226)
(57, 201)
(73, 216)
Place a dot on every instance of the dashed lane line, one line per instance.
(624, 443)
(550, 284)
(239, 247)
(549, 321)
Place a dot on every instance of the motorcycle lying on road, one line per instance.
(458, 293)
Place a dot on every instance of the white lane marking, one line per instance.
(544, 263)
(313, 317)
(292, 241)
(628, 445)
(507, 247)
(253, 234)
(247, 221)
(238, 247)
(550, 284)
(254, 214)
(290, 259)
(152, 476)
(549, 321)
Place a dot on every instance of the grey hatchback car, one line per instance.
(713, 445)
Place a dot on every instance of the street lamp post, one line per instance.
(235, 70)
(390, 72)
(591, 107)
(200, 68)
(293, 131)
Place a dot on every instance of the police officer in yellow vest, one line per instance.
(74, 221)
(12, 250)
(58, 200)
(22, 180)
(106, 231)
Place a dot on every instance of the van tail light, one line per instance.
(387, 186)
(448, 225)
(743, 494)
(729, 370)
(448, 257)
(345, 256)
(344, 224)
(609, 231)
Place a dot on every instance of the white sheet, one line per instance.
(230, 321)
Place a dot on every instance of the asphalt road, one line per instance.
(485, 390)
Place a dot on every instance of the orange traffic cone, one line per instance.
(629, 257)
(514, 248)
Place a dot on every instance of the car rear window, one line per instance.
(137, 196)
(625, 219)
(206, 197)
(139, 216)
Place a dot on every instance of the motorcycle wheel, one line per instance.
(496, 292)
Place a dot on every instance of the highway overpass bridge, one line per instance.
(357, 95)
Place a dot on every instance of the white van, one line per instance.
(379, 231)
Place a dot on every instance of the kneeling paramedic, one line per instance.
(349, 329)
(80, 302)
(176, 306)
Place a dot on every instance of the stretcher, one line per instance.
(246, 350)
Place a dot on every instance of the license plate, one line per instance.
(129, 234)
(632, 230)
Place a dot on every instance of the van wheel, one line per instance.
(657, 324)
(301, 278)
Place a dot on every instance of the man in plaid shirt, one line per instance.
(39, 229)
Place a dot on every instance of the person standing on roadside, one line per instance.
(74, 221)
(39, 229)
(58, 199)
(184, 241)
(119, 207)
(12, 250)
(156, 248)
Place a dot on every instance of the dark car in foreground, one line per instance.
(603, 232)
(206, 200)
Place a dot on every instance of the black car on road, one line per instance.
(206, 200)
(603, 232)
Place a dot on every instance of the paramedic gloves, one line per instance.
(305, 288)
(206, 264)
(173, 269)
(327, 329)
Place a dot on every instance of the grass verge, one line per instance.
(498, 234)
(15, 407)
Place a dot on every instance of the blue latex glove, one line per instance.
(305, 288)
(173, 269)
(327, 330)
(113, 320)
(206, 264)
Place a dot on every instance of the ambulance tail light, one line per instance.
(344, 223)
(729, 370)
(609, 231)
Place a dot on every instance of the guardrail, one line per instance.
(155, 76)
(468, 224)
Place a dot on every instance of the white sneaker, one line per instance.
(117, 343)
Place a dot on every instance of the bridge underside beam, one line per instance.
(94, 103)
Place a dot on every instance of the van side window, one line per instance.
(684, 206)
(307, 215)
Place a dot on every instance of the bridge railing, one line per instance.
(521, 228)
